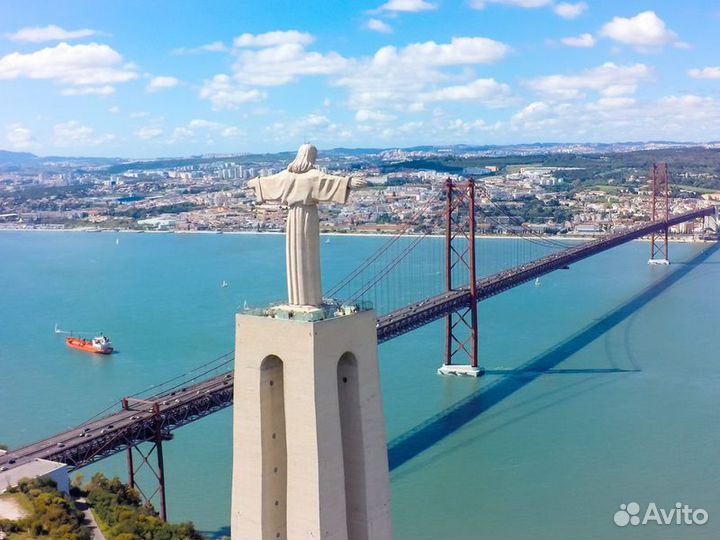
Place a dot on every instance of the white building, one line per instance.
(38, 468)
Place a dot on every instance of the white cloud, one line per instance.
(215, 46)
(314, 127)
(487, 92)
(74, 65)
(270, 59)
(645, 31)
(462, 127)
(481, 4)
(19, 137)
(608, 79)
(208, 127)
(407, 6)
(139, 114)
(566, 10)
(533, 111)
(570, 11)
(37, 34)
(397, 78)
(705, 73)
(379, 26)
(583, 40)
(439, 129)
(147, 133)
(281, 64)
(316, 120)
(114, 109)
(105, 90)
(393, 80)
(224, 93)
(273, 39)
(612, 102)
(161, 83)
(366, 115)
(73, 133)
(460, 50)
(690, 100)
(612, 119)
(231, 132)
(181, 134)
(204, 124)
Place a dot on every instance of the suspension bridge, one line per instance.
(448, 269)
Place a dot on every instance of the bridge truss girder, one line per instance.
(154, 426)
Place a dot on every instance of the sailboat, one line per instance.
(224, 284)
(537, 282)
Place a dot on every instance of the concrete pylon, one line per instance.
(710, 223)
(310, 449)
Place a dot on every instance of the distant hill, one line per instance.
(11, 160)
(8, 158)
(422, 156)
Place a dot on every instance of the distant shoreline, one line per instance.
(682, 239)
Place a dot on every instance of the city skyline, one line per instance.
(135, 80)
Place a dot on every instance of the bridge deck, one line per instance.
(421, 313)
(106, 436)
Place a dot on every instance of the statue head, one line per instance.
(305, 159)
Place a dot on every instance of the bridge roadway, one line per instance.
(111, 434)
(421, 313)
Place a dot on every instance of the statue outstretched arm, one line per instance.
(335, 188)
(267, 189)
(358, 182)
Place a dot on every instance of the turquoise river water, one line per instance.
(618, 400)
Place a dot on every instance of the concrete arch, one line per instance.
(274, 448)
(353, 446)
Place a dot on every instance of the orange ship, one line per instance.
(99, 345)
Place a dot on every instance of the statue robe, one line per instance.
(302, 193)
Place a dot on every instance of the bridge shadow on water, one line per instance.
(425, 435)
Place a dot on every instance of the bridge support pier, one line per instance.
(159, 470)
(710, 227)
(131, 468)
(309, 444)
(461, 334)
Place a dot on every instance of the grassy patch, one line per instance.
(607, 189)
(695, 188)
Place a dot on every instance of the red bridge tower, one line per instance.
(461, 338)
(660, 184)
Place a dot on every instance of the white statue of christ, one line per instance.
(301, 187)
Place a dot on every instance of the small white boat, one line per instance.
(537, 282)
(224, 284)
(327, 240)
(117, 241)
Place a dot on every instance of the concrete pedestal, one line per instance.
(460, 369)
(310, 449)
(661, 262)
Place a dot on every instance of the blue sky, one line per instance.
(142, 79)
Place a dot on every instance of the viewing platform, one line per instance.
(330, 309)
